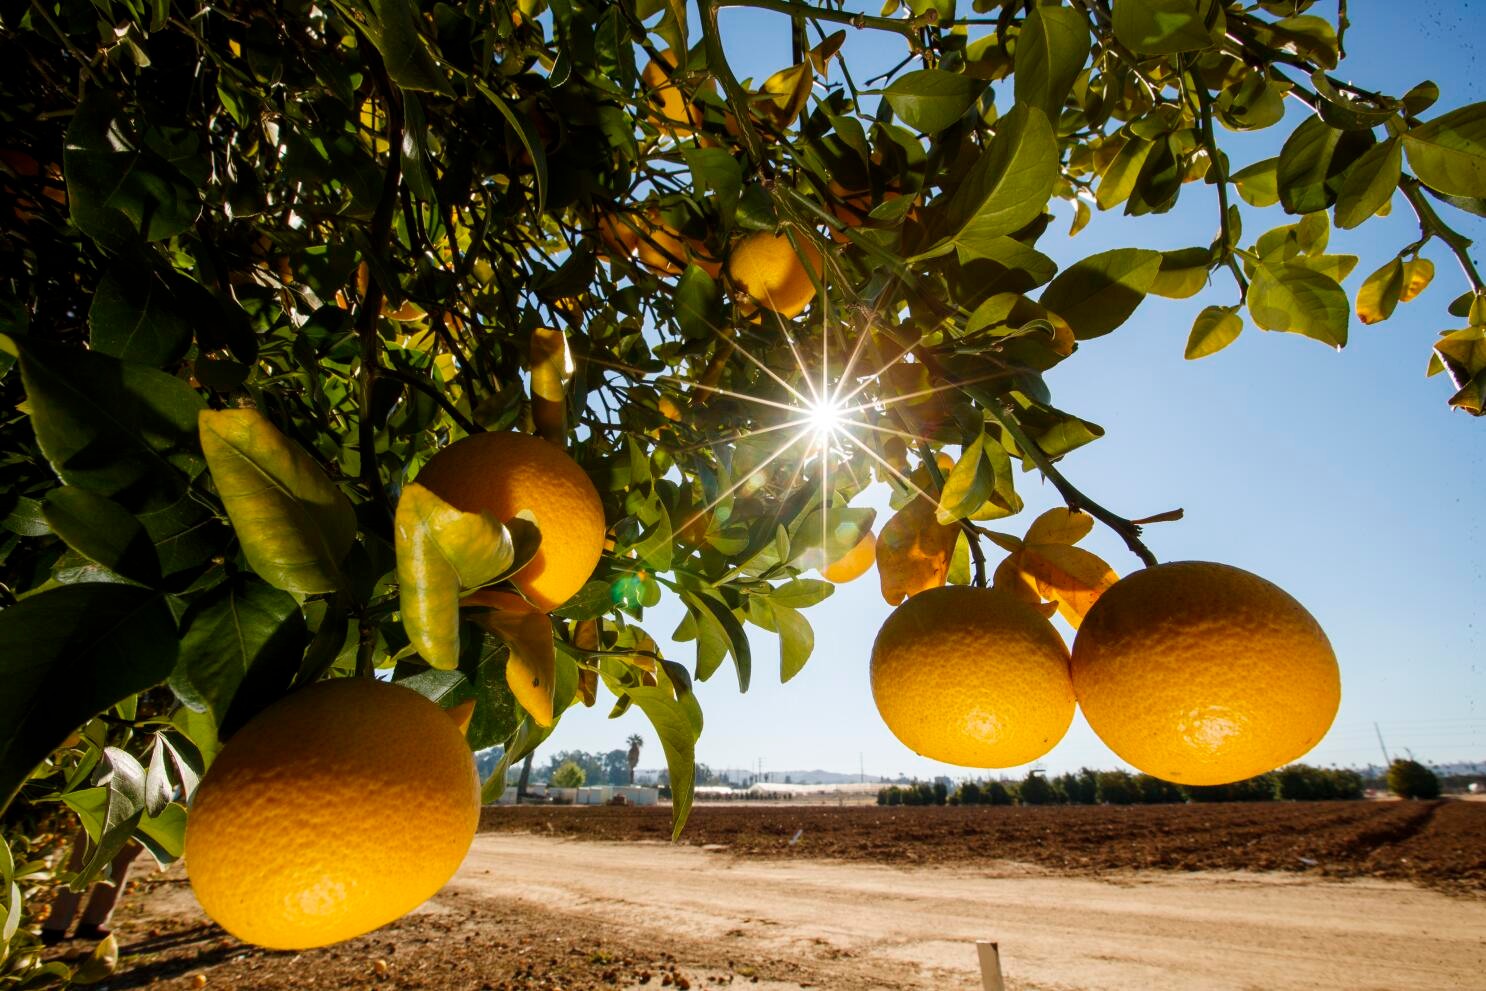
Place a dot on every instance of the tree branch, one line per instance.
(1430, 225)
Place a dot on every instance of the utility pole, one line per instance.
(1386, 759)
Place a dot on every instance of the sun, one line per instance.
(823, 419)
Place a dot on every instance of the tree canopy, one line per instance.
(310, 244)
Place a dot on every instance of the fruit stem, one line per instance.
(1128, 531)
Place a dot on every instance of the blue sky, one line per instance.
(1341, 476)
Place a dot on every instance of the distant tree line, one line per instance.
(1297, 782)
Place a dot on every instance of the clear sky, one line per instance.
(1341, 476)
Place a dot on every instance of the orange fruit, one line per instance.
(766, 269)
(854, 563)
(1203, 673)
(678, 115)
(333, 812)
(972, 676)
(505, 473)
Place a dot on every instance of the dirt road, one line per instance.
(861, 926)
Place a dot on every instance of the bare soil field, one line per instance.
(1441, 843)
(868, 899)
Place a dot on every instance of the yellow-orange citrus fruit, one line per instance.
(1203, 673)
(854, 563)
(679, 116)
(972, 676)
(766, 268)
(505, 473)
(334, 811)
(667, 251)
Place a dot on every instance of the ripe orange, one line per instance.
(678, 115)
(854, 563)
(766, 268)
(666, 251)
(1204, 674)
(972, 676)
(335, 811)
(505, 473)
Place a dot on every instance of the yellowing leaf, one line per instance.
(440, 552)
(914, 551)
(551, 370)
(1070, 576)
(789, 89)
(295, 526)
(1215, 328)
(531, 668)
(1417, 274)
(1380, 293)
(1009, 578)
(1060, 526)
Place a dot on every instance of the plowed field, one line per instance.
(1439, 843)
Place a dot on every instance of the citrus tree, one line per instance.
(263, 264)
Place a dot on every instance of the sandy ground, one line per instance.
(860, 926)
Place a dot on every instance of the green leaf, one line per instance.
(1098, 294)
(1299, 300)
(1369, 184)
(801, 593)
(1010, 254)
(122, 779)
(839, 528)
(929, 100)
(58, 672)
(1050, 53)
(1165, 27)
(1258, 184)
(164, 834)
(715, 169)
(393, 29)
(225, 634)
(1343, 111)
(796, 640)
(707, 605)
(678, 724)
(135, 317)
(589, 602)
(1449, 152)
(657, 547)
(1008, 185)
(103, 532)
(1120, 176)
(1313, 162)
(1183, 273)
(119, 191)
(442, 552)
(1308, 36)
(295, 526)
(1215, 328)
(530, 140)
(698, 301)
(109, 426)
(969, 484)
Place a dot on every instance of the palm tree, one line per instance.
(635, 743)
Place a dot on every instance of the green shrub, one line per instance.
(970, 793)
(1117, 788)
(1151, 790)
(997, 793)
(941, 792)
(1411, 779)
(1255, 789)
(1036, 790)
(568, 775)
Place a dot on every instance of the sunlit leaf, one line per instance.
(295, 526)
(1215, 328)
(1100, 292)
(1380, 293)
(551, 370)
(1449, 152)
(1050, 51)
(1299, 300)
(531, 669)
(929, 100)
(442, 551)
(914, 551)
